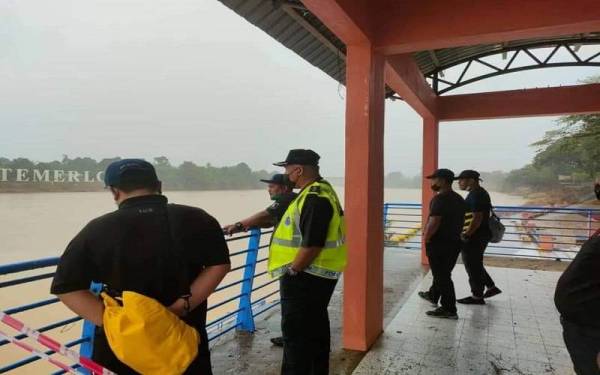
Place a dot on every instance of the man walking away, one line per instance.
(442, 239)
(145, 246)
(308, 253)
(475, 238)
(577, 298)
(281, 191)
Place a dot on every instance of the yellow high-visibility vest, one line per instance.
(287, 238)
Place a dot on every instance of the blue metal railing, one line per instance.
(250, 302)
(531, 231)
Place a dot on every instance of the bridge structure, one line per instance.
(406, 49)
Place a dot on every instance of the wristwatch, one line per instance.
(239, 226)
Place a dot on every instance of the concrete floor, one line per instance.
(517, 332)
(242, 353)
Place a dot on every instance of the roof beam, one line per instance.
(348, 19)
(403, 75)
(410, 26)
(552, 101)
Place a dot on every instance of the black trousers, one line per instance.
(472, 257)
(583, 344)
(442, 259)
(305, 324)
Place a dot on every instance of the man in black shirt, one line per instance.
(144, 246)
(577, 298)
(476, 237)
(442, 239)
(282, 192)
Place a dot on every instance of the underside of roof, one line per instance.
(290, 23)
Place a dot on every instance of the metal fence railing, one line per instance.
(531, 232)
(246, 292)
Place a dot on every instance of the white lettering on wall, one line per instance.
(59, 175)
(41, 176)
(22, 175)
(4, 174)
(73, 176)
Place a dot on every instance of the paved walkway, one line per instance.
(517, 332)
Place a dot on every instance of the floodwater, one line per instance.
(38, 225)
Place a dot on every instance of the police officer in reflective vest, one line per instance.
(308, 254)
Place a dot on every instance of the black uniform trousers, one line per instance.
(472, 257)
(305, 324)
(442, 259)
(583, 344)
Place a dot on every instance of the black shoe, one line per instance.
(471, 301)
(491, 292)
(427, 297)
(277, 341)
(441, 312)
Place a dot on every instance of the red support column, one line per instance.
(430, 164)
(363, 278)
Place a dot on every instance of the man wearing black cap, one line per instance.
(475, 238)
(281, 192)
(442, 241)
(149, 247)
(308, 254)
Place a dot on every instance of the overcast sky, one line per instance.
(191, 80)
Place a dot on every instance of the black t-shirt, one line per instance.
(478, 200)
(281, 204)
(315, 217)
(131, 249)
(451, 207)
(577, 295)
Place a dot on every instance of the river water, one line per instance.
(38, 225)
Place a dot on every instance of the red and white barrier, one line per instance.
(52, 344)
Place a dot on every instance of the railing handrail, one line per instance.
(505, 207)
(241, 318)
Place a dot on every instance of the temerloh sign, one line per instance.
(53, 176)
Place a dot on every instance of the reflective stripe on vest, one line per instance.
(287, 239)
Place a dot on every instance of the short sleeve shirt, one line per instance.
(132, 249)
(315, 217)
(478, 201)
(450, 206)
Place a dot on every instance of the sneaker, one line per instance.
(471, 301)
(490, 292)
(277, 341)
(427, 297)
(441, 312)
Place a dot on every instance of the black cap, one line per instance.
(129, 170)
(468, 173)
(301, 157)
(278, 179)
(443, 173)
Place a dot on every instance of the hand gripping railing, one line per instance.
(531, 231)
(252, 300)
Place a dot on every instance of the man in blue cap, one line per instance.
(174, 254)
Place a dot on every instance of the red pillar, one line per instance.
(363, 278)
(430, 164)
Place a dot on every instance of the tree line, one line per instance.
(186, 176)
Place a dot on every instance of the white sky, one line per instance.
(191, 80)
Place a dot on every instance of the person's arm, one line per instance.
(305, 257)
(261, 219)
(202, 287)
(433, 224)
(85, 304)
